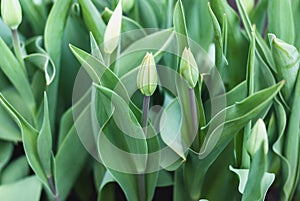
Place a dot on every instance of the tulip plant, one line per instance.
(146, 100)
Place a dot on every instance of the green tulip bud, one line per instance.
(188, 68)
(249, 5)
(113, 30)
(147, 75)
(127, 5)
(286, 58)
(258, 138)
(11, 13)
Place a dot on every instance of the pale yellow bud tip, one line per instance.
(147, 77)
(11, 13)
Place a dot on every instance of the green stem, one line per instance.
(53, 189)
(194, 119)
(17, 48)
(141, 177)
(146, 104)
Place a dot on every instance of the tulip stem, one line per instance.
(194, 118)
(17, 48)
(53, 189)
(141, 177)
(146, 104)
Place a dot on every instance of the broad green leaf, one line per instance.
(236, 44)
(258, 16)
(99, 171)
(70, 158)
(148, 19)
(250, 90)
(180, 27)
(66, 124)
(170, 123)
(109, 80)
(8, 130)
(199, 27)
(295, 6)
(5, 33)
(220, 58)
(93, 20)
(128, 134)
(35, 17)
(6, 151)
(165, 179)
(95, 50)
(44, 141)
(29, 139)
(13, 70)
(262, 48)
(129, 137)
(26, 189)
(280, 19)
(237, 116)
(15, 99)
(15, 171)
(106, 189)
(179, 192)
(291, 150)
(53, 37)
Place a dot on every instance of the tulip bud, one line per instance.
(147, 75)
(286, 58)
(11, 13)
(127, 5)
(258, 138)
(249, 5)
(188, 68)
(113, 30)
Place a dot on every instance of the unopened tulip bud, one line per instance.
(249, 5)
(127, 5)
(113, 30)
(147, 75)
(286, 58)
(258, 138)
(11, 13)
(188, 68)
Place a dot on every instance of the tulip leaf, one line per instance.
(44, 141)
(280, 19)
(93, 20)
(170, 124)
(13, 70)
(29, 139)
(53, 37)
(237, 116)
(6, 151)
(29, 188)
(15, 171)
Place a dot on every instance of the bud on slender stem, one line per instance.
(147, 76)
(11, 13)
(188, 68)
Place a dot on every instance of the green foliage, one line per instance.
(227, 94)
